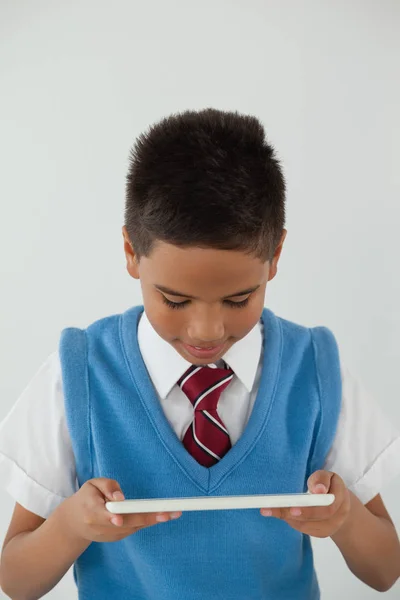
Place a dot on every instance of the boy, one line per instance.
(204, 392)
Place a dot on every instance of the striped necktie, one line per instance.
(207, 438)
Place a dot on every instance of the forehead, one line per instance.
(198, 271)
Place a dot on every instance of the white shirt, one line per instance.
(37, 465)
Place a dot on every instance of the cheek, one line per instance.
(239, 321)
(167, 322)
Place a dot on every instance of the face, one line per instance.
(201, 300)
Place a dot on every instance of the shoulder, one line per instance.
(318, 337)
(97, 324)
(97, 331)
(300, 327)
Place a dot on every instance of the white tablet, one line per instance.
(219, 503)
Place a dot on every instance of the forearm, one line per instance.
(370, 546)
(34, 562)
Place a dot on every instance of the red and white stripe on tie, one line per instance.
(207, 438)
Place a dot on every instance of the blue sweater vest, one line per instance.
(119, 431)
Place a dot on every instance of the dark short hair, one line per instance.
(208, 179)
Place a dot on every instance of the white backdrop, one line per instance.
(81, 79)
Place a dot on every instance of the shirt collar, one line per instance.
(165, 365)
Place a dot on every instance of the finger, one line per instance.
(117, 520)
(308, 513)
(148, 519)
(272, 512)
(99, 491)
(294, 512)
(302, 526)
(337, 488)
(315, 529)
(110, 488)
(320, 513)
(320, 482)
(133, 520)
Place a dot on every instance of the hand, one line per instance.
(85, 515)
(318, 521)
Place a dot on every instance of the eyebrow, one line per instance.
(166, 290)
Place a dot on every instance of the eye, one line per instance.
(174, 304)
(240, 304)
(230, 303)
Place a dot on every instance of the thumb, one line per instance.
(110, 488)
(320, 482)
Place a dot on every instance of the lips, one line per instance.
(203, 352)
(204, 347)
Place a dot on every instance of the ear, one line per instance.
(274, 263)
(132, 264)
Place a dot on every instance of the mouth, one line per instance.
(203, 351)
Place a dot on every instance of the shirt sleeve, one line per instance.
(366, 449)
(37, 464)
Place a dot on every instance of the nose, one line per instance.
(206, 327)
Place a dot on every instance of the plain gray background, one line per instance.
(80, 80)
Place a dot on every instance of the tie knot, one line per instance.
(204, 385)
